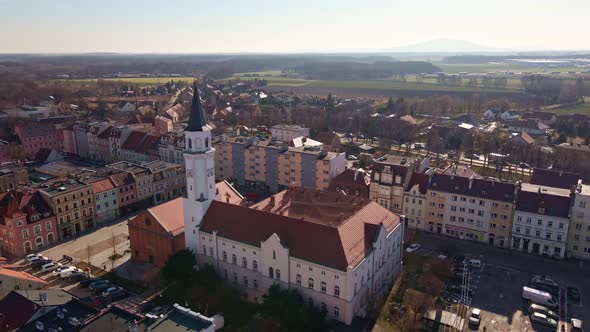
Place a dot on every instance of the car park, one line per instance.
(541, 319)
(413, 247)
(475, 318)
(107, 292)
(50, 266)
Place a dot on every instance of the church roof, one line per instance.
(197, 119)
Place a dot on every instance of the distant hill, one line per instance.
(442, 46)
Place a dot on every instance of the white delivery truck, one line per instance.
(538, 297)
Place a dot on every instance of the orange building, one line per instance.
(157, 233)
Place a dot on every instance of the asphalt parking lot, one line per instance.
(498, 289)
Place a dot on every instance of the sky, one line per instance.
(228, 26)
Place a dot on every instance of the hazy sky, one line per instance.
(199, 26)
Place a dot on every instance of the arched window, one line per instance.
(271, 273)
(244, 262)
(278, 273)
(234, 259)
(39, 242)
(336, 312)
(323, 287)
(50, 238)
(298, 278)
(310, 283)
(255, 265)
(336, 291)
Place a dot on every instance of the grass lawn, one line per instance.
(272, 81)
(492, 67)
(578, 109)
(397, 85)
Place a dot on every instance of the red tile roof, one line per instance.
(133, 141)
(421, 180)
(21, 275)
(327, 137)
(15, 202)
(102, 185)
(526, 137)
(326, 228)
(121, 179)
(225, 192)
(170, 215)
(350, 181)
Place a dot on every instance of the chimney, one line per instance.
(356, 173)
(539, 189)
(470, 182)
(227, 197)
(271, 203)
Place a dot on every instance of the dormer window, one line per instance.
(541, 210)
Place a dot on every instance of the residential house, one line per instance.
(140, 147)
(352, 182)
(415, 201)
(578, 239)
(143, 181)
(508, 116)
(181, 319)
(171, 148)
(285, 133)
(541, 220)
(530, 126)
(106, 199)
(573, 157)
(72, 202)
(71, 316)
(14, 280)
(124, 106)
(20, 306)
(37, 136)
(26, 222)
(470, 208)
(125, 186)
(330, 140)
(169, 180)
(547, 118)
(12, 176)
(390, 175)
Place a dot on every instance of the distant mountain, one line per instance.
(442, 46)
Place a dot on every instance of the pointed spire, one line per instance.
(197, 119)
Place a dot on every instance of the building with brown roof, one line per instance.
(27, 223)
(38, 136)
(415, 200)
(319, 243)
(541, 220)
(330, 140)
(555, 178)
(390, 175)
(352, 182)
(470, 208)
(12, 280)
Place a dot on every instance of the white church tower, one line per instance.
(200, 172)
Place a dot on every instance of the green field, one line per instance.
(135, 80)
(271, 81)
(578, 109)
(398, 85)
(491, 67)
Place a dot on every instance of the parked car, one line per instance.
(554, 291)
(351, 157)
(413, 247)
(543, 310)
(475, 263)
(67, 271)
(118, 295)
(50, 266)
(75, 276)
(538, 297)
(158, 311)
(576, 325)
(107, 292)
(544, 279)
(97, 283)
(57, 271)
(101, 287)
(40, 262)
(85, 283)
(524, 165)
(573, 293)
(475, 318)
(540, 319)
(31, 257)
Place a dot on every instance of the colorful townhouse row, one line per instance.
(549, 216)
(33, 217)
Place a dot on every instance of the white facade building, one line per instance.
(286, 133)
(541, 220)
(579, 229)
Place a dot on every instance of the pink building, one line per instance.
(126, 191)
(35, 137)
(27, 223)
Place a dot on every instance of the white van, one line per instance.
(539, 297)
(475, 263)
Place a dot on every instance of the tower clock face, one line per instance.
(210, 172)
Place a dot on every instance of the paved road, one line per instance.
(514, 269)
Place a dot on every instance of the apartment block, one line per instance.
(578, 243)
(415, 201)
(286, 133)
(73, 204)
(169, 180)
(471, 209)
(269, 165)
